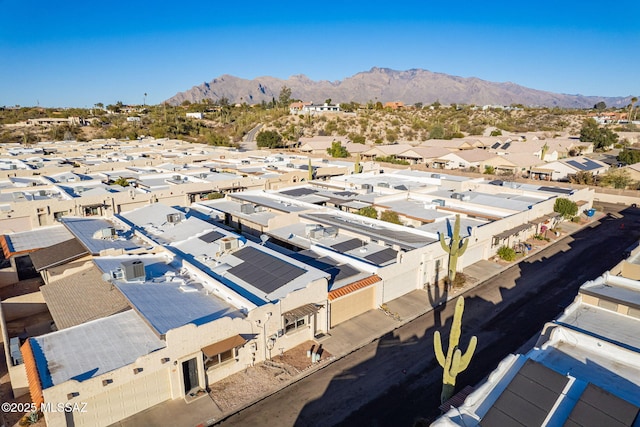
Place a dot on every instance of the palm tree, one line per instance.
(632, 108)
(144, 102)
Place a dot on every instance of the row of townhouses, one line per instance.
(143, 288)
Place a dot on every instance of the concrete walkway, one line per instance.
(343, 339)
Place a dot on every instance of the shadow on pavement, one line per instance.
(401, 383)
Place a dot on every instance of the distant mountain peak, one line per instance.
(385, 84)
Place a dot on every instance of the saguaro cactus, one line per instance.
(455, 248)
(356, 165)
(310, 176)
(454, 362)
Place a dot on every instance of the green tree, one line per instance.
(369, 212)
(337, 150)
(121, 181)
(565, 207)
(489, 170)
(600, 106)
(390, 216)
(437, 132)
(269, 139)
(285, 97)
(357, 139)
(214, 138)
(496, 132)
(601, 138)
(629, 157)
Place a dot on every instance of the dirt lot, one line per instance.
(244, 387)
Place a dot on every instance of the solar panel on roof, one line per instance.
(556, 190)
(528, 398)
(506, 145)
(382, 256)
(496, 145)
(599, 407)
(297, 192)
(212, 236)
(347, 245)
(263, 271)
(584, 165)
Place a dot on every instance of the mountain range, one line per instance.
(384, 85)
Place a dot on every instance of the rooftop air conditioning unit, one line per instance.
(247, 208)
(105, 233)
(176, 178)
(228, 243)
(456, 196)
(174, 218)
(308, 228)
(465, 198)
(331, 231)
(318, 233)
(439, 202)
(290, 165)
(435, 175)
(133, 270)
(13, 167)
(42, 193)
(383, 184)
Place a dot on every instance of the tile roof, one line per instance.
(360, 284)
(81, 297)
(57, 254)
(30, 366)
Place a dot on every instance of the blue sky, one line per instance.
(76, 53)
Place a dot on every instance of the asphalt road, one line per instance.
(249, 141)
(395, 380)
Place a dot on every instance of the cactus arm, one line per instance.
(437, 346)
(456, 325)
(463, 247)
(465, 359)
(451, 373)
(444, 245)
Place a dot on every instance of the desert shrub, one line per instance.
(506, 253)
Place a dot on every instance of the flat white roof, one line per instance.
(93, 348)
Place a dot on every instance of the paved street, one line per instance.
(394, 380)
(249, 141)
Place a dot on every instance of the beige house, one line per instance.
(238, 314)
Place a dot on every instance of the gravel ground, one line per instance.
(246, 386)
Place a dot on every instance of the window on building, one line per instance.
(91, 210)
(220, 358)
(291, 325)
(496, 241)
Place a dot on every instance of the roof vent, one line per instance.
(174, 218)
